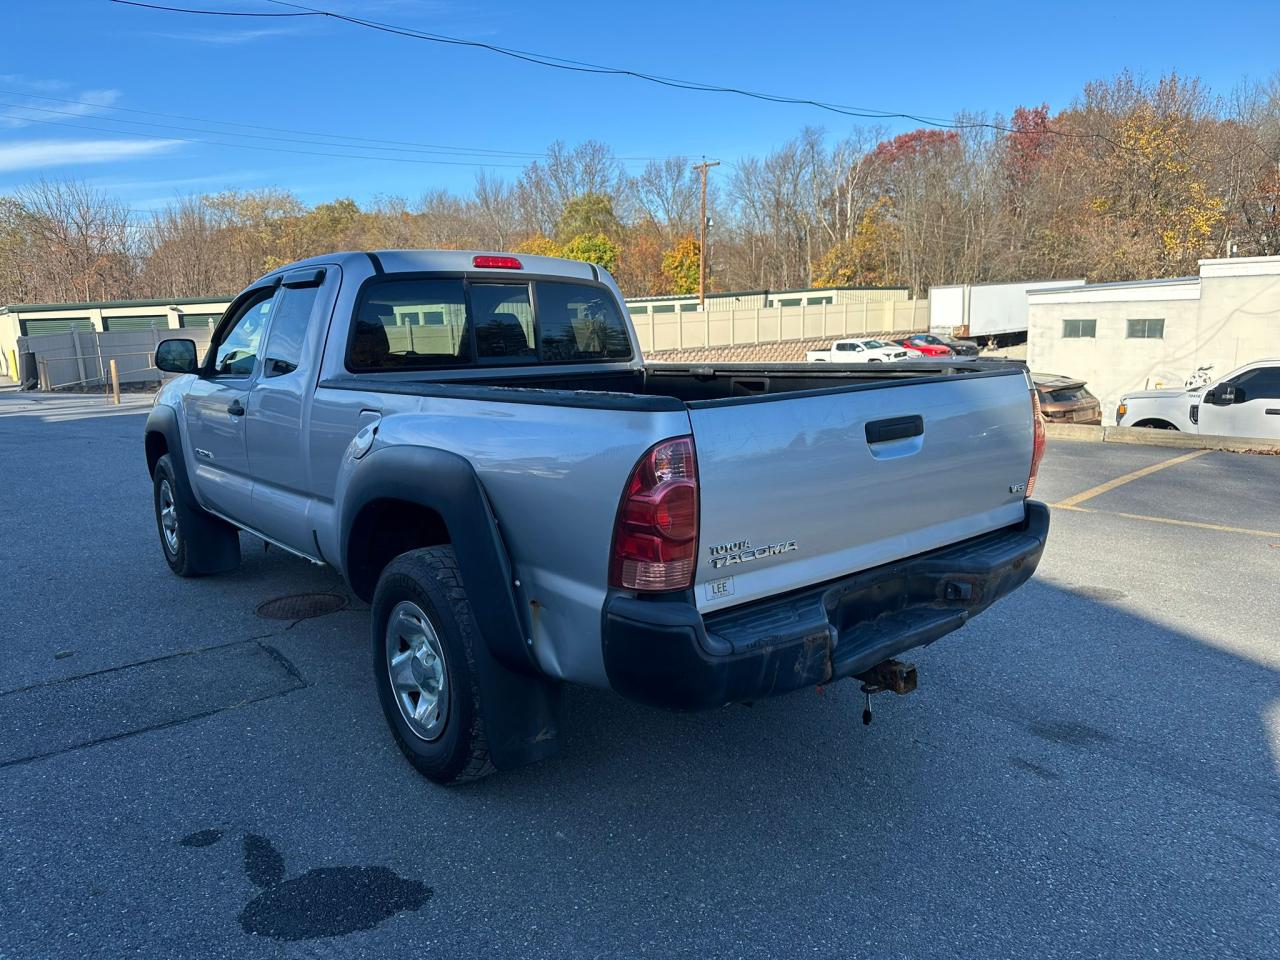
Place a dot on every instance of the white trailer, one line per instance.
(981, 310)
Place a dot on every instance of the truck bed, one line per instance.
(806, 472)
(670, 386)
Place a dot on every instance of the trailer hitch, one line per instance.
(889, 675)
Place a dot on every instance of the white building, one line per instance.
(1150, 334)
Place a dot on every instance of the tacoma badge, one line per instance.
(741, 551)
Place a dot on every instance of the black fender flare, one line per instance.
(164, 421)
(447, 483)
(520, 704)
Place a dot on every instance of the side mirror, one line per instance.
(1226, 395)
(176, 356)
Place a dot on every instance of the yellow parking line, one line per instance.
(1137, 474)
(1273, 534)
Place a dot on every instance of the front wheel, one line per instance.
(424, 668)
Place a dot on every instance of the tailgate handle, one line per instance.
(895, 428)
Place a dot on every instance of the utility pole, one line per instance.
(702, 168)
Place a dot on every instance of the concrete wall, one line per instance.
(681, 331)
(751, 299)
(1228, 316)
(82, 360)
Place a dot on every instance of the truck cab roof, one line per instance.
(449, 261)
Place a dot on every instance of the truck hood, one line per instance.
(1159, 394)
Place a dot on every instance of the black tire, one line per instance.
(201, 544)
(430, 580)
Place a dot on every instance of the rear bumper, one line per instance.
(665, 653)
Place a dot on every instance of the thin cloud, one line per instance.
(227, 38)
(39, 154)
(19, 80)
(178, 183)
(23, 113)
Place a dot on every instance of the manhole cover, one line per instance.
(302, 606)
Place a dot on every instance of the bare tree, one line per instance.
(80, 239)
(184, 252)
(667, 192)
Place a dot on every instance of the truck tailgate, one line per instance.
(799, 489)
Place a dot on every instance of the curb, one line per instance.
(1159, 438)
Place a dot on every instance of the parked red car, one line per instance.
(927, 344)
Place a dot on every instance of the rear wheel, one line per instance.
(424, 667)
(875, 360)
(195, 543)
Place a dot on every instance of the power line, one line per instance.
(254, 146)
(254, 136)
(579, 66)
(360, 141)
(210, 13)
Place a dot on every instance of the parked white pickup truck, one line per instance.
(862, 351)
(1244, 403)
(475, 442)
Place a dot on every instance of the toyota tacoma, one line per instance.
(475, 443)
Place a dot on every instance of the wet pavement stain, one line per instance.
(201, 838)
(324, 902)
(331, 902)
(1044, 773)
(1070, 732)
(263, 864)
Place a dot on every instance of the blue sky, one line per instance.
(81, 65)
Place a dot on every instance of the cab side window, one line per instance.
(1261, 383)
(236, 353)
(289, 329)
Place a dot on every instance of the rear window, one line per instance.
(578, 322)
(1067, 394)
(420, 323)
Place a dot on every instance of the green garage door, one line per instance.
(34, 328)
(116, 324)
(200, 321)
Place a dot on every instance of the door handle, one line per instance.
(236, 408)
(895, 428)
(1273, 411)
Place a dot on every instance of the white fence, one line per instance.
(81, 360)
(724, 328)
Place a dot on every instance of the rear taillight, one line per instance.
(1037, 446)
(655, 540)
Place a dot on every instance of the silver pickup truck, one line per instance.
(475, 442)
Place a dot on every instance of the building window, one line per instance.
(686, 307)
(790, 302)
(636, 311)
(1079, 328)
(1146, 330)
(817, 301)
(664, 308)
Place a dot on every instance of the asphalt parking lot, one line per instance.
(1091, 768)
